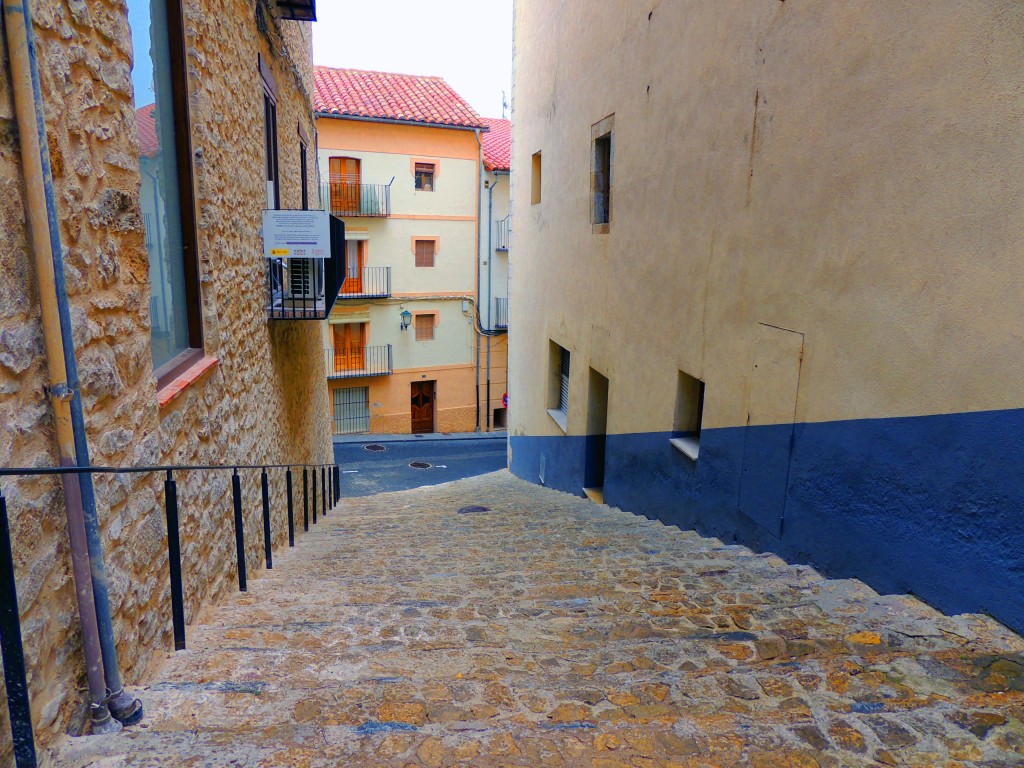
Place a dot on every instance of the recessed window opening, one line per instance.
(425, 177)
(602, 179)
(500, 418)
(535, 185)
(166, 195)
(558, 384)
(304, 171)
(689, 415)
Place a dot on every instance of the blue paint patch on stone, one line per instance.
(578, 602)
(867, 707)
(372, 727)
(927, 504)
(736, 637)
(576, 726)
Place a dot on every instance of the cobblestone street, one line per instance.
(409, 629)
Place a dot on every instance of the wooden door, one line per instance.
(355, 256)
(349, 347)
(345, 186)
(422, 406)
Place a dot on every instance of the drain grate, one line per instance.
(472, 510)
(419, 465)
(375, 447)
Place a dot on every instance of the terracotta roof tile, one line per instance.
(498, 144)
(148, 144)
(389, 96)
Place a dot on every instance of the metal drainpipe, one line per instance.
(479, 214)
(490, 298)
(38, 207)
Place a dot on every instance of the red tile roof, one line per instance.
(497, 144)
(148, 144)
(388, 96)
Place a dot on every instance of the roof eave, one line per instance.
(396, 121)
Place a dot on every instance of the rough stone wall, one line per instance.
(263, 401)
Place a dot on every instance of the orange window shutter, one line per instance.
(424, 327)
(424, 253)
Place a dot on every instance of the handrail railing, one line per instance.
(352, 362)
(11, 648)
(501, 312)
(366, 283)
(353, 198)
(501, 234)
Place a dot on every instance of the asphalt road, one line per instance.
(364, 473)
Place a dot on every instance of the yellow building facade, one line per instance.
(402, 346)
(773, 255)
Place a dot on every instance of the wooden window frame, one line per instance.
(536, 176)
(173, 368)
(271, 149)
(434, 173)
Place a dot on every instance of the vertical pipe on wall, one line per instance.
(41, 217)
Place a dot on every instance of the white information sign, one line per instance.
(296, 234)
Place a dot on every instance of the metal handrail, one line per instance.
(353, 198)
(369, 282)
(501, 312)
(358, 361)
(501, 235)
(11, 647)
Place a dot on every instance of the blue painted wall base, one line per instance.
(930, 505)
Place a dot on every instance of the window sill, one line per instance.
(688, 446)
(169, 392)
(558, 417)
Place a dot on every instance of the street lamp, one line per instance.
(406, 318)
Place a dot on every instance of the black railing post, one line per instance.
(291, 515)
(174, 561)
(323, 488)
(337, 484)
(305, 499)
(268, 545)
(236, 492)
(13, 652)
(313, 473)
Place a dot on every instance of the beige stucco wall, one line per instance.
(850, 171)
(263, 401)
(448, 213)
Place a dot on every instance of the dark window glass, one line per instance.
(425, 177)
(160, 84)
(602, 179)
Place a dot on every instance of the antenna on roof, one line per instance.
(504, 105)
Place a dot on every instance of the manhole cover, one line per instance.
(419, 465)
(472, 510)
(375, 447)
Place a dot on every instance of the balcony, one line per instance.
(367, 283)
(306, 289)
(501, 234)
(350, 198)
(501, 313)
(354, 362)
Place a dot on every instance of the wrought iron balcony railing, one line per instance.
(366, 283)
(501, 234)
(353, 198)
(501, 313)
(352, 362)
(306, 289)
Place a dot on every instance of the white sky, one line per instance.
(467, 42)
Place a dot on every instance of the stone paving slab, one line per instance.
(552, 631)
